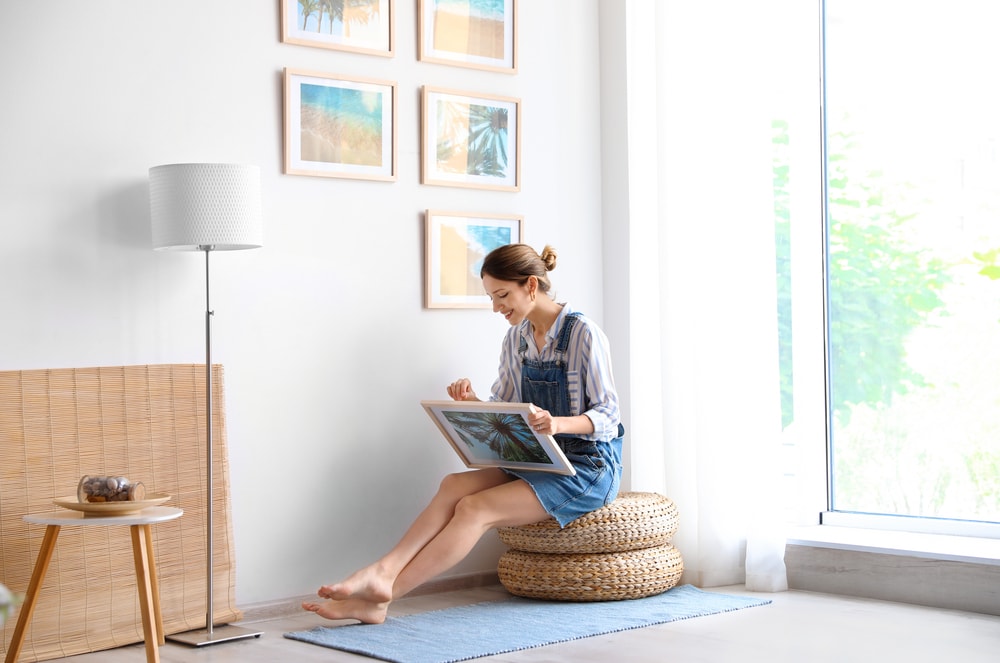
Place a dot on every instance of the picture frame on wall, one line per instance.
(497, 434)
(455, 245)
(339, 126)
(359, 26)
(470, 140)
(481, 34)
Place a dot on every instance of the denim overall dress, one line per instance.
(597, 464)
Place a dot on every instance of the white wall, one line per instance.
(322, 332)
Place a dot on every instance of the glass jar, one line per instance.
(109, 489)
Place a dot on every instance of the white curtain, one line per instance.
(703, 344)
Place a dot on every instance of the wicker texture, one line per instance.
(143, 422)
(620, 551)
(632, 522)
(614, 576)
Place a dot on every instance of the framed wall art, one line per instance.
(470, 140)
(361, 26)
(455, 245)
(339, 126)
(469, 33)
(497, 434)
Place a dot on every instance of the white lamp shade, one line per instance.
(199, 205)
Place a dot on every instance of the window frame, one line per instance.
(829, 516)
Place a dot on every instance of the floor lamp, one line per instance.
(206, 207)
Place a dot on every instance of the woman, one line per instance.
(553, 357)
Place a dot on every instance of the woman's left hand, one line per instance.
(543, 422)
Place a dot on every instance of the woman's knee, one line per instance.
(472, 508)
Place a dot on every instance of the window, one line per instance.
(912, 156)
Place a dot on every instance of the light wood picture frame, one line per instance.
(359, 26)
(339, 126)
(470, 140)
(497, 434)
(481, 34)
(455, 244)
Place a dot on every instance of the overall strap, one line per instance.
(563, 343)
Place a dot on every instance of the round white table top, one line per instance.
(154, 514)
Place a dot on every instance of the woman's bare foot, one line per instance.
(371, 584)
(366, 612)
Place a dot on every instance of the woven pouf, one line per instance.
(631, 574)
(621, 551)
(632, 522)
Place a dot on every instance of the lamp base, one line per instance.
(224, 633)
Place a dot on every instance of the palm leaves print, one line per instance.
(475, 131)
(505, 435)
(487, 140)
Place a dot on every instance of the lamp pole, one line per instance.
(209, 543)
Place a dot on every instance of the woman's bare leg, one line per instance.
(375, 581)
(510, 504)
(366, 594)
(373, 584)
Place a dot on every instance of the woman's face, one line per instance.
(510, 299)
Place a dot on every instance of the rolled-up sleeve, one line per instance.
(597, 381)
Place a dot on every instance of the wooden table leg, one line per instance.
(140, 551)
(155, 583)
(31, 596)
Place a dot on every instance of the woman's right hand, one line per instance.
(461, 390)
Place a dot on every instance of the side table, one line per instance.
(145, 568)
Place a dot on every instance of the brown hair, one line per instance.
(517, 262)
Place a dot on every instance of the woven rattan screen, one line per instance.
(143, 422)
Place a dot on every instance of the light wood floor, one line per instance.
(799, 627)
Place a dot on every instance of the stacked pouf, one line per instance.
(621, 551)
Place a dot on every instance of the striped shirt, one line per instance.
(588, 370)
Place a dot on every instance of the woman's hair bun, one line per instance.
(548, 256)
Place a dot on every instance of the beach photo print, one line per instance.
(339, 126)
(455, 245)
(469, 33)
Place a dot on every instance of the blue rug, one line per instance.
(498, 627)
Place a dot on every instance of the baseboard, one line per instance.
(266, 610)
(455, 583)
(919, 577)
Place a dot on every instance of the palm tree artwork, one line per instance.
(306, 9)
(337, 13)
(472, 139)
(498, 436)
